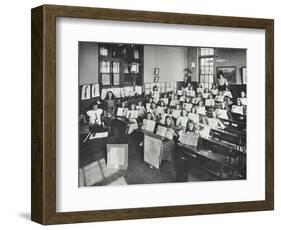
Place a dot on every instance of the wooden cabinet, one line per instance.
(120, 65)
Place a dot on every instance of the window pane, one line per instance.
(202, 78)
(116, 79)
(105, 67)
(202, 61)
(207, 51)
(202, 51)
(115, 67)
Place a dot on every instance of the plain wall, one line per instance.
(88, 63)
(170, 60)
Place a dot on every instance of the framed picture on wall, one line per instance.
(75, 178)
(229, 73)
(244, 75)
(156, 71)
(156, 79)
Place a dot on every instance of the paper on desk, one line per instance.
(148, 125)
(98, 135)
(188, 138)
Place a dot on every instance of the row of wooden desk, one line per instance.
(222, 155)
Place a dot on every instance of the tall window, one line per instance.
(206, 66)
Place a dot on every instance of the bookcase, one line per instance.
(120, 65)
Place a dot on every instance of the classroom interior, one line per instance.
(153, 114)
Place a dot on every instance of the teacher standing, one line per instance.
(222, 82)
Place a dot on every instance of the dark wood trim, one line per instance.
(37, 115)
(269, 116)
(44, 113)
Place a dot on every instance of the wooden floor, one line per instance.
(138, 172)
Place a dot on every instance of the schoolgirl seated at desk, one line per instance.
(212, 121)
(132, 116)
(227, 96)
(176, 112)
(182, 97)
(189, 136)
(223, 112)
(132, 113)
(191, 127)
(220, 97)
(153, 110)
(195, 100)
(122, 110)
(182, 120)
(165, 99)
(201, 110)
(239, 108)
(147, 105)
(193, 115)
(161, 107)
(210, 102)
(168, 129)
(243, 98)
(95, 118)
(141, 109)
(155, 94)
(162, 116)
(187, 105)
(190, 91)
(206, 93)
(200, 89)
(214, 90)
(148, 124)
(174, 100)
(227, 93)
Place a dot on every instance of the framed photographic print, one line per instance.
(75, 178)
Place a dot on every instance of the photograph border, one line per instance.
(43, 97)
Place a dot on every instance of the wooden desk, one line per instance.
(229, 137)
(119, 126)
(239, 117)
(235, 126)
(204, 153)
(157, 149)
(238, 150)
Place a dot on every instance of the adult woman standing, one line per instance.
(222, 82)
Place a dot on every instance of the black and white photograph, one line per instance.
(189, 125)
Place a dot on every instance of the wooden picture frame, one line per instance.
(244, 75)
(43, 169)
(156, 71)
